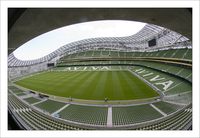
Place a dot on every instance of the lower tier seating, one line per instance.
(134, 114)
(85, 114)
(121, 116)
(36, 120)
(177, 122)
(167, 107)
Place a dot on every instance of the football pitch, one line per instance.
(90, 85)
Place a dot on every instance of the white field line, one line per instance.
(161, 112)
(109, 117)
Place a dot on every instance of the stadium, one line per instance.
(138, 82)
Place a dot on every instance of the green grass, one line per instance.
(91, 85)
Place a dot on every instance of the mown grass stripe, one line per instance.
(85, 83)
(118, 92)
(94, 85)
(100, 87)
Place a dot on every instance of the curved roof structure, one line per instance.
(48, 42)
(26, 24)
(137, 41)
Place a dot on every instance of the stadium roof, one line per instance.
(140, 39)
(51, 41)
(25, 24)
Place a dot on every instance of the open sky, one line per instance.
(46, 43)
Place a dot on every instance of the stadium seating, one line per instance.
(15, 89)
(97, 116)
(179, 85)
(134, 114)
(177, 122)
(31, 100)
(173, 69)
(55, 105)
(178, 70)
(36, 120)
(185, 98)
(167, 107)
(173, 53)
(85, 114)
(111, 83)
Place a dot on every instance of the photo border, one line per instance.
(194, 4)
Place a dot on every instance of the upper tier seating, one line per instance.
(172, 54)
